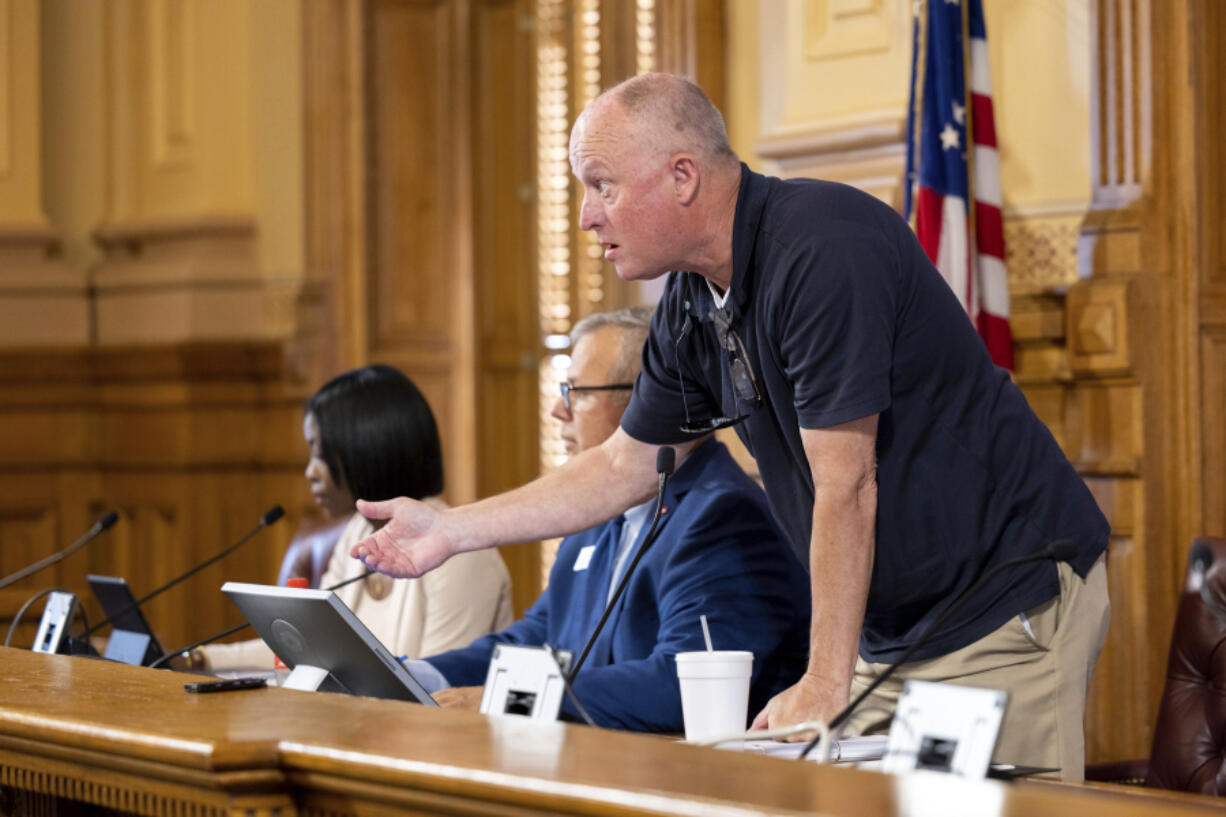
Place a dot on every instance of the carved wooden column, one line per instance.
(42, 302)
(1208, 40)
(1132, 331)
(200, 229)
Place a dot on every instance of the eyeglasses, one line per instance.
(743, 381)
(567, 389)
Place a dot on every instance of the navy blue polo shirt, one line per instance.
(842, 316)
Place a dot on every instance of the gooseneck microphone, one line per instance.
(104, 522)
(237, 627)
(1061, 550)
(270, 516)
(666, 461)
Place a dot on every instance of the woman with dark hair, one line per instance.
(372, 435)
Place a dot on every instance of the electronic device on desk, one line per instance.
(945, 728)
(132, 640)
(52, 635)
(526, 681)
(325, 645)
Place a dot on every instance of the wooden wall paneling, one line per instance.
(1114, 721)
(29, 530)
(190, 445)
(1213, 393)
(1141, 368)
(42, 300)
(180, 225)
(1107, 366)
(1041, 370)
(1212, 302)
(404, 85)
(414, 155)
(421, 277)
(504, 262)
(156, 539)
(690, 41)
(1110, 437)
(45, 439)
(194, 465)
(334, 183)
(1115, 724)
(619, 35)
(1174, 224)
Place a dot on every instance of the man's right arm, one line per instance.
(592, 488)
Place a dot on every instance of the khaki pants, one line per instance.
(1046, 670)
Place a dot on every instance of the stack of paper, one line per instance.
(843, 750)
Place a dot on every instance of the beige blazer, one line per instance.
(466, 597)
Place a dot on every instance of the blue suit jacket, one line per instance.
(719, 552)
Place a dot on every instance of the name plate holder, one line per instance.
(52, 635)
(525, 681)
(944, 728)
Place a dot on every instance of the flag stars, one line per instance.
(949, 137)
(959, 114)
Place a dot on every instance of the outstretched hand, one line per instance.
(413, 541)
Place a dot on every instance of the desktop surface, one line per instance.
(133, 732)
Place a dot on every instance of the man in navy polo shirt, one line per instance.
(901, 463)
(719, 554)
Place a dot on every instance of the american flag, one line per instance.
(965, 242)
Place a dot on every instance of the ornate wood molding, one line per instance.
(835, 137)
(1041, 252)
(867, 151)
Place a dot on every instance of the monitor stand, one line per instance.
(130, 647)
(313, 679)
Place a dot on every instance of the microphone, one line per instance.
(666, 460)
(104, 522)
(1061, 550)
(270, 516)
(230, 631)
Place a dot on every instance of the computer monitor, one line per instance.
(132, 640)
(323, 642)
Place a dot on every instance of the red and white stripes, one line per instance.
(987, 299)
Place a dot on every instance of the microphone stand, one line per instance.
(238, 627)
(270, 516)
(1060, 551)
(106, 521)
(666, 459)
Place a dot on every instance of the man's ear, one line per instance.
(686, 176)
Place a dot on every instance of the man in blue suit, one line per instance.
(719, 553)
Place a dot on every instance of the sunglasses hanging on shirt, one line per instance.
(743, 381)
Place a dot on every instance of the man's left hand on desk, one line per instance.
(459, 698)
(809, 699)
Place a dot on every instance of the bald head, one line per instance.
(660, 182)
(670, 114)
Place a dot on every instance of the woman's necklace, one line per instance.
(378, 586)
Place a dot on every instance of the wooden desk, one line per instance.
(76, 733)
